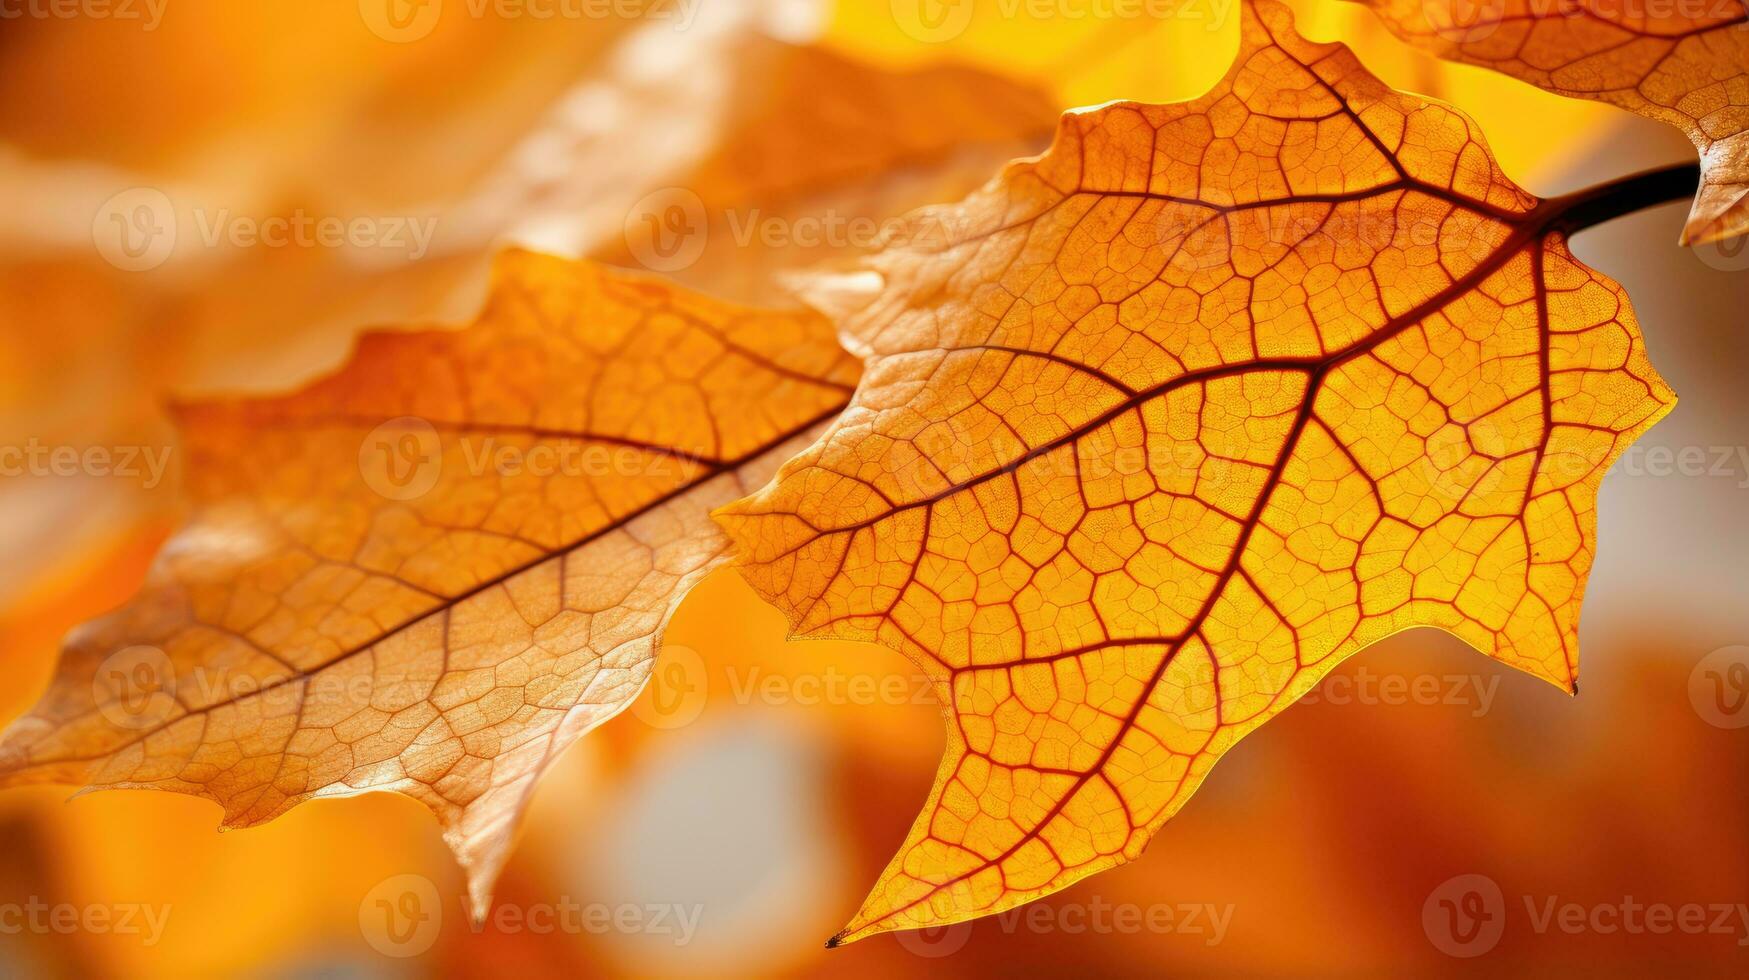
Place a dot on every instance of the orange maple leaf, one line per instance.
(434, 570)
(1192, 407)
(1686, 65)
(773, 155)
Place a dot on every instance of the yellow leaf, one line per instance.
(437, 568)
(1687, 65)
(770, 154)
(1184, 412)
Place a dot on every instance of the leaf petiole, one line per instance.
(1612, 199)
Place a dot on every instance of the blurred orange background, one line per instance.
(760, 785)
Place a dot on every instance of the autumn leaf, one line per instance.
(790, 151)
(788, 154)
(1191, 408)
(1686, 65)
(437, 568)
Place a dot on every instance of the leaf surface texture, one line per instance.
(1193, 406)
